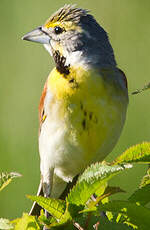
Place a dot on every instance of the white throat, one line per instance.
(75, 58)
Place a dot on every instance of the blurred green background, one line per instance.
(24, 66)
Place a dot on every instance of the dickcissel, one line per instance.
(84, 101)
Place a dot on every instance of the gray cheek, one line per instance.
(73, 43)
(69, 46)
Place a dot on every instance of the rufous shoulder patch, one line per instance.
(42, 115)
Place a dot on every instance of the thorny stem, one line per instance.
(87, 221)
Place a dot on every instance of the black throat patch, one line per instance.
(60, 63)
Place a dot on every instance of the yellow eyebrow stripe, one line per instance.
(65, 25)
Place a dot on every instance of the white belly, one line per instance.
(58, 152)
(60, 149)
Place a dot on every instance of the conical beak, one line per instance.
(37, 35)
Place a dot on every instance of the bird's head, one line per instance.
(74, 34)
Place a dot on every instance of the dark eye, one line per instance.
(58, 30)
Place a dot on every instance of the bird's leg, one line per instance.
(47, 191)
(47, 182)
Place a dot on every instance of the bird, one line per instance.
(84, 102)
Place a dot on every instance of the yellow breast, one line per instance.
(93, 106)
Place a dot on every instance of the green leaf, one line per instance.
(66, 226)
(145, 179)
(104, 224)
(101, 189)
(71, 212)
(137, 215)
(55, 207)
(108, 192)
(141, 196)
(44, 220)
(87, 221)
(27, 223)
(6, 178)
(136, 154)
(5, 224)
(91, 180)
(90, 222)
